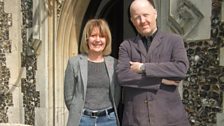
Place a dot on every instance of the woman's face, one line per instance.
(96, 41)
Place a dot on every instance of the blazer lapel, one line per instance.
(109, 67)
(83, 68)
(140, 46)
(155, 42)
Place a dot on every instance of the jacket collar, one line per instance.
(155, 42)
(84, 68)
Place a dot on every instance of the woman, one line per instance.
(91, 90)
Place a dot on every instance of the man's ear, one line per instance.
(132, 20)
(155, 13)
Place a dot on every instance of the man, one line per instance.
(150, 67)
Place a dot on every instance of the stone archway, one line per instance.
(67, 38)
(65, 46)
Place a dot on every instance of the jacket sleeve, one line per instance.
(117, 88)
(125, 75)
(69, 84)
(175, 67)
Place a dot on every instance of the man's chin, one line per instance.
(146, 33)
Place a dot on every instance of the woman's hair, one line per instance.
(104, 31)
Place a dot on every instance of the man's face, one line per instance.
(143, 17)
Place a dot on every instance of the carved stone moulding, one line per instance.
(185, 18)
(12, 124)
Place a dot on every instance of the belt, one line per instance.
(98, 113)
(169, 88)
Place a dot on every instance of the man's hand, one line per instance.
(170, 82)
(135, 66)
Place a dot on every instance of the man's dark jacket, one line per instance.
(147, 102)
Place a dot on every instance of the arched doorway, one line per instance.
(73, 17)
(111, 11)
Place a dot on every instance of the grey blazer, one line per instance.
(75, 83)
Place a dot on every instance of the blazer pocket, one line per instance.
(176, 112)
